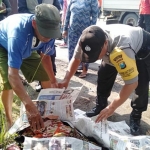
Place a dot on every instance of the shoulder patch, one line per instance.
(125, 66)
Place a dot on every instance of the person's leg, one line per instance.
(140, 99)
(80, 67)
(141, 21)
(53, 63)
(72, 42)
(147, 22)
(84, 70)
(66, 40)
(106, 78)
(99, 12)
(5, 87)
(7, 100)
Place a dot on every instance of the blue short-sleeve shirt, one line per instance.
(16, 35)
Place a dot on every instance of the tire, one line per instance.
(130, 19)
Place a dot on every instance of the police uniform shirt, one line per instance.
(123, 42)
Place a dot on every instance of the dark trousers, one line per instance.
(144, 21)
(141, 22)
(106, 78)
(140, 101)
(107, 75)
(53, 62)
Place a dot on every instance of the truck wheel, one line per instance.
(130, 19)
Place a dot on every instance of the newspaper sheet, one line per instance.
(59, 94)
(61, 108)
(79, 113)
(128, 142)
(50, 94)
(18, 126)
(58, 143)
(91, 129)
(71, 93)
(64, 109)
(113, 135)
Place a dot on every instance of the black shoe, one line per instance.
(92, 112)
(96, 110)
(38, 87)
(101, 103)
(135, 119)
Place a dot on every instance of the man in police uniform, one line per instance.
(124, 50)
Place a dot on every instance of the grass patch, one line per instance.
(5, 138)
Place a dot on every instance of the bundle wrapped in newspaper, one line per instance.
(54, 128)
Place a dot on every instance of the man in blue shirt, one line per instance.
(17, 42)
(28, 6)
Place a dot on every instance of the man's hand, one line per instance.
(122, 97)
(105, 113)
(34, 117)
(54, 84)
(63, 84)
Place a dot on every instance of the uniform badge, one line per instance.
(87, 48)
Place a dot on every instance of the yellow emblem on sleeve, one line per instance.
(125, 66)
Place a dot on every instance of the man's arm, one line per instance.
(123, 96)
(72, 68)
(34, 117)
(22, 6)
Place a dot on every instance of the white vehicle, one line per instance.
(122, 11)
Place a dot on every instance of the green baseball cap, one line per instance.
(48, 20)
